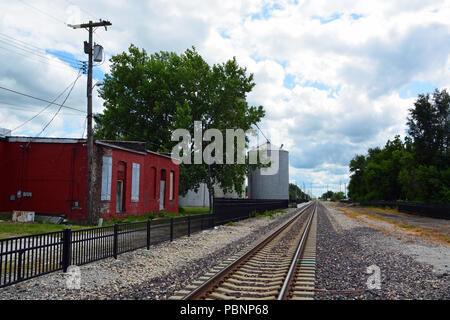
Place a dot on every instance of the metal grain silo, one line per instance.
(264, 183)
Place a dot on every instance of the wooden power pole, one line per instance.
(88, 49)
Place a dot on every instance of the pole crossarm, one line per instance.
(90, 25)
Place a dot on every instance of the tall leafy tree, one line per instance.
(417, 169)
(429, 127)
(148, 96)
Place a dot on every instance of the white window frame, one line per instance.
(106, 178)
(135, 182)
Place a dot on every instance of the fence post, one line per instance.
(116, 240)
(67, 246)
(148, 233)
(19, 266)
(171, 229)
(189, 226)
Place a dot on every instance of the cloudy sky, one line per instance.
(335, 77)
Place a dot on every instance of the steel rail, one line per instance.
(219, 277)
(301, 246)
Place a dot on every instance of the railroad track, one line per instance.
(281, 266)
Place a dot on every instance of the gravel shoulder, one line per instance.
(410, 267)
(150, 274)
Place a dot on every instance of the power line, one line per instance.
(31, 108)
(84, 127)
(62, 105)
(262, 133)
(41, 53)
(84, 10)
(43, 12)
(49, 105)
(36, 59)
(40, 99)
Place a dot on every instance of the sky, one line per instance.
(335, 77)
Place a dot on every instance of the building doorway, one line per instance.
(119, 198)
(162, 190)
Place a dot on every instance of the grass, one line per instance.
(9, 229)
(408, 226)
(409, 229)
(182, 211)
(268, 213)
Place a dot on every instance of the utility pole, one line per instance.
(88, 49)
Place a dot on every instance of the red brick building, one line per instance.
(48, 176)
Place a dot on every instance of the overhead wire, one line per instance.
(48, 106)
(35, 49)
(32, 109)
(40, 99)
(35, 53)
(262, 133)
(43, 12)
(62, 105)
(41, 53)
(84, 10)
(41, 60)
(62, 59)
(84, 128)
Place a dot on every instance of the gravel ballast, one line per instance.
(346, 248)
(150, 274)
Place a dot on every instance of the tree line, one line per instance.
(333, 196)
(297, 195)
(415, 169)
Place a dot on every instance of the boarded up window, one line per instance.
(153, 178)
(171, 186)
(106, 178)
(135, 182)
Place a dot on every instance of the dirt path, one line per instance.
(391, 221)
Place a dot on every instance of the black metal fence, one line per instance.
(226, 210)
(23, 258)
(439, 211)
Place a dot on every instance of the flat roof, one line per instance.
(44, 140)
(121, 145)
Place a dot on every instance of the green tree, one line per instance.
(333, 196)
(429, 127)
(416, 169)
(338, 196)
(147, 97)
(357, 188)
(327, 195)
(296, 194)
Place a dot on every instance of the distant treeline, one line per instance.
(296, 194)
(416, 169)
(333, 196)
